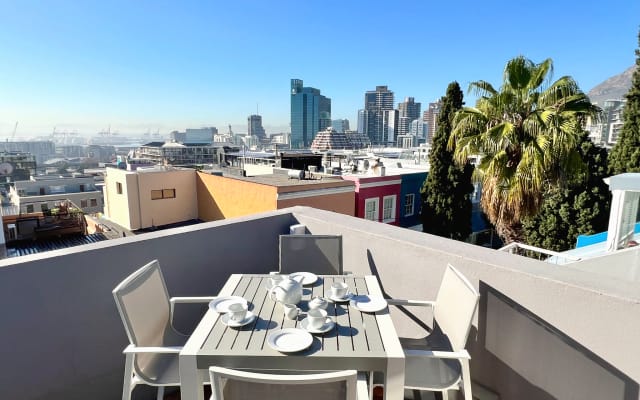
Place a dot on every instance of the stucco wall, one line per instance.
(62, 337)
(221, 197)
(183, 207)
(343, 203)
(542, 331)
(553, 332)
(123, 208)
(134, 208)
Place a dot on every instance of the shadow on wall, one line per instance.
(518, 355)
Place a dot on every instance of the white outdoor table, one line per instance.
(360, 341)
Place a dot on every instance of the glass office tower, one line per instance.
(310, 113)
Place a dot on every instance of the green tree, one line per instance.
(625, 154)
(582, 208)
(446, 203)
(527, 134)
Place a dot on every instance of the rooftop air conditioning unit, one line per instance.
(296, 174)
(313, 168)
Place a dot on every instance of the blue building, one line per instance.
(410, 201)
(310, 113)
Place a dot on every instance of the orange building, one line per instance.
(221, 197)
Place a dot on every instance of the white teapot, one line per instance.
(287, 291)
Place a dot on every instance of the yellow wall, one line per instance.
(183, 207)
(123, 209)
(134, 209)
(220, 197)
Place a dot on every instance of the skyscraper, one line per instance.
(310, 113)
(340, 125)
(430, 116)
(408, 111)
(254, 127)
(374, 120)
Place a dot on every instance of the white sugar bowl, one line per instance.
(318, 302)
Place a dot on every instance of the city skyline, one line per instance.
(148, 67)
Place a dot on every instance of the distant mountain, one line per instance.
(615, 87)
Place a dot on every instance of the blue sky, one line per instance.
(141, 66)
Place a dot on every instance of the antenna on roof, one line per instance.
(257, 109)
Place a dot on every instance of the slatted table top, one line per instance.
(357, 340)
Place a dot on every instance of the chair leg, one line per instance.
(466, 379)
(160, 393)
(445, 395)
(129, 384)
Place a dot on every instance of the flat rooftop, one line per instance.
(283, 180)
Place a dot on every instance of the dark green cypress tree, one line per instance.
(625, 155)
(582, 208)
(446, 193)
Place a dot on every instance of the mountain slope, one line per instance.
(615, 87)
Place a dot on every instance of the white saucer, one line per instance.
(236, 324)
(366, 303)
(328, 325)
(221, 304)
(341, 299)
(308, 278)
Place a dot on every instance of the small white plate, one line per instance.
(308, 278)
(328, 325)
(226, 319)
(341, 299)
(367, 303)
(221, 304)
(289, 340)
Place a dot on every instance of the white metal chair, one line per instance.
(439, 362)
(231, 384)
(320, 254)
(147, 314)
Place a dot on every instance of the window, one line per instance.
(389, 208)
(83, 203)
(29, 208)
(163, 194)
(118, 187)
(44, 207)
(371, 209)
(93, 202)
(408, 204)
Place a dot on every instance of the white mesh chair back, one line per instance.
(455, 306)
(319, 254)
(143, 302)
(229, 384)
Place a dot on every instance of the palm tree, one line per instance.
(527, 134)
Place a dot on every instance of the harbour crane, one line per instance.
(15, 127)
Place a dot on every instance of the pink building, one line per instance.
(377, 197)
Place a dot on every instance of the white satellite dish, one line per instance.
(6, 168)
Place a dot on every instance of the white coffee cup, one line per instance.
(237, 311)
(339, 290)
(291, 311)
(316, 317)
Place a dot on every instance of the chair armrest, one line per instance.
(462, 354)
(420, 303)
(362, 390)
(201, 299)
(153, 349)
(188, 300)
